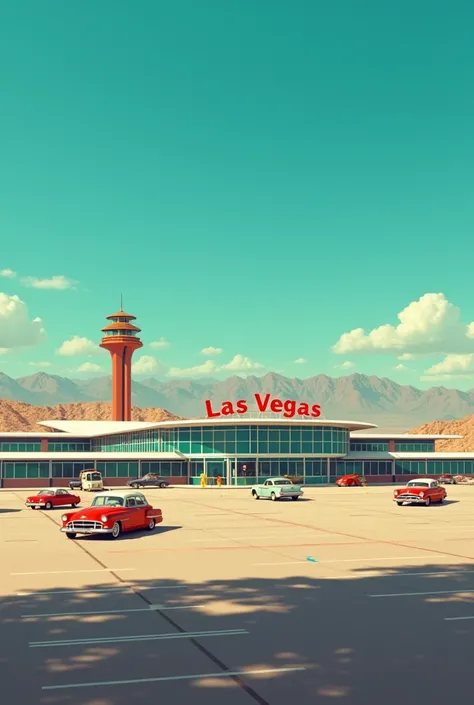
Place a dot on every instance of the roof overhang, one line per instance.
(90, 456)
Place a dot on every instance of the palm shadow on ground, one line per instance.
(359, 639)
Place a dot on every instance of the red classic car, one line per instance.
(47, 499)
(421, 491)
(447, 479)
(351, 481)
(111, 513)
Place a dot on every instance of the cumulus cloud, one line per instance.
(401, 367)
(160, 344)
(146, 365)
(431, 325)
(58, 282)
(89, 367)
(300, 361)
(78, 346)
(40, 365)
(239, 363)
(452, 367)
(406, 356)
(207, 368)
(211, 351)
(347, 365)
(16, 328)
(7, 273)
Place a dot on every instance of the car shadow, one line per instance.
(129, 535)
(9, 511)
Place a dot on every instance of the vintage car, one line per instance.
(276, 488)
(351, 481)
(111, 513)
(88, 481)
(149, 480)
(447, 479)
(420, 491)
(55, 497)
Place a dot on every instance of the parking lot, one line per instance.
(339, 597)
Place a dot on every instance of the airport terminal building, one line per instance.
(240, 449)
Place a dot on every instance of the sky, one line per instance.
(282, 186)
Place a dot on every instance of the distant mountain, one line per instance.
(354, 397)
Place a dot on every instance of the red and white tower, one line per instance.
(120, 339)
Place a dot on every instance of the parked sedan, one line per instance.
(47, 499)
(277, 488)
(111, 513)
(351, 481)
(420, 491)
(447, 479)
(150, 480)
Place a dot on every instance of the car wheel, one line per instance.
(255, 495)
(294, 498)
(400, 504)
(135, 485)
(48, 505)
(73, 506)
(273, 496)
(427, 501)
(441, 500)
(71, 536)
(151, 525)
(116, 530)
(163, 485)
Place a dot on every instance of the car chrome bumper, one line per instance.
(85, 531)
(35, 504)
(412, 500)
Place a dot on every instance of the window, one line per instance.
(107, 502)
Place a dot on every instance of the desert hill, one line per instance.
(462, 427)
(19, 416)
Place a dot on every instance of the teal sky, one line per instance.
(259, 177)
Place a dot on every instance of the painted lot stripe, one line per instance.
(249, 538)
(193, 676)
(137, 637)
(456, 619)
(135, 609)
(359, 542)
(461, 591)
(61, 572)
(91, 591)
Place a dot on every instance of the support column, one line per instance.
(127, 384)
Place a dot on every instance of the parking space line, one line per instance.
(135, 609)
(194, 676)
(416, 594)
(457, 619)
(356, 560)
(61, 572)
(135, 638)
(120, 588)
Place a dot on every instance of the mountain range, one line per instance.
(353, 397)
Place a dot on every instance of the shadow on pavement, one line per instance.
(9, 511)
(358, 639)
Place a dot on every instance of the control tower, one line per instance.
(120, 339)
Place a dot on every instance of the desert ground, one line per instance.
(340, 597)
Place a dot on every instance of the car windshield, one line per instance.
(107, 502)
(282, 482)
(418, 484)
(46, 492)
(95, 476)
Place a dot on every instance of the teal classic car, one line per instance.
(277, 488)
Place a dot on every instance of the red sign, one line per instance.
(289, 407)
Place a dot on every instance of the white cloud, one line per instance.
(40, 365)
(7, 273)
(431, 325)
(160, 344)
(347, 365)
(406, 356)
(77, 346)
(452, 367)
(58, 282)
(239, 363)
(300, 361)
(146, 365)
(89, 367)
(207, 368)
(16, 328)
(400, 368)
(211, 351)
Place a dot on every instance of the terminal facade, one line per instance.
(240, 450)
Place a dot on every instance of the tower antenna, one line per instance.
(121, 302)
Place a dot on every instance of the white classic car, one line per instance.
(276, 488)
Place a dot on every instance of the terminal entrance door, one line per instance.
(215, 469)
(243, 471)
